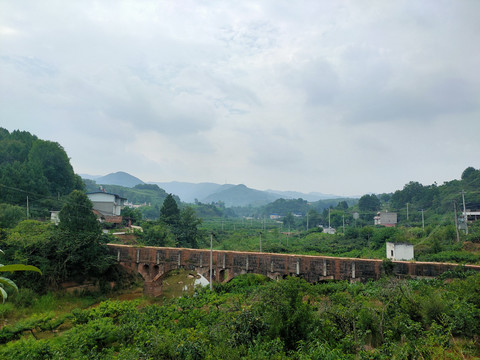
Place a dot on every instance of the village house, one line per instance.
(399, 251)
(388, 219)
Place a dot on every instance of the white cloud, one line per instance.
(337, 97)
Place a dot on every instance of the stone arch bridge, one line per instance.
(154, 262)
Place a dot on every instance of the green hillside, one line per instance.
(34, 168)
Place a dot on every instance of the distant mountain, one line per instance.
(240, 195)
(188, 192)
(90, 177)
(312, 196)
(119, 178)
(207, 192)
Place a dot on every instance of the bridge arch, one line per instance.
(153, 262)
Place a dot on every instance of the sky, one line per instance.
(340, 97)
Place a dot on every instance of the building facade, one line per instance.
(106, 203)
(386, 218)
(399, 251)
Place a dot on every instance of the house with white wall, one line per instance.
(386, 218)
(106, 203)
(399, 251)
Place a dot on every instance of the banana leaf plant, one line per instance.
(5, 282)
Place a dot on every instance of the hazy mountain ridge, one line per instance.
(206, 192)
(241, 195)
(119, 178)
(312, 196)
(188, 192)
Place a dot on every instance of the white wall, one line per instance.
(399, 251)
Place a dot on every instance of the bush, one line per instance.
(24, 297)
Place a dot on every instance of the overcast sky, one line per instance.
(343, 97)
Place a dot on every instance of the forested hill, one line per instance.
(36, 168)
(440, 198)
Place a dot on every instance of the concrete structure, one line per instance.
(471, 215)
(399, 251)
(386, 218)
(329, 230)
(106, 203)
(54, 218)
(154, 262)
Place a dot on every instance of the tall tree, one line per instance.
(169, 213)
(76, 215)
(188, 232)
(79, 251)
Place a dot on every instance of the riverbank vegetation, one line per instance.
(254, 318)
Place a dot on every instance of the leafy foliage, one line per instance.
(5, 282)
(258, 319)
(170, 213)
(36, 168)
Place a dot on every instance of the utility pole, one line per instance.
(211, 261)
(328, 219)
(464, 212)
(407, 211)
(423, 222)
(343, 220)
(456, 220)
(260, 242)
(28, 215)
(307, 220)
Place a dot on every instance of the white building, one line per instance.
(399, 251)
(329, 230)
(106, 203)
(471, 215)
(386, 218)
(54, 217)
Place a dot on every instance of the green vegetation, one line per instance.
(249, 317)
(72, 251)
(253, 318)
(175, 227)
(5, 282)
(35, 168)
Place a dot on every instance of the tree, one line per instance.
(10, 215)
(342, 205)
(468, 173)
(158, 235)
(188, 232)
(169, 213)
(369, 203)
(76, 215)
(131, 215)
(314, 218)
(79, 249)
(51, 160)
(289, 220)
